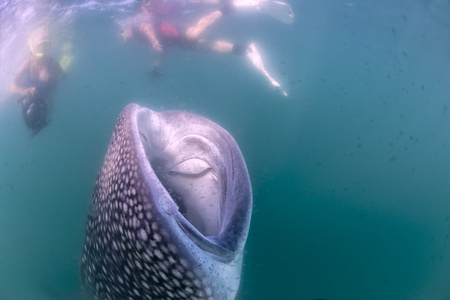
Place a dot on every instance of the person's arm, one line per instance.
(17, 86)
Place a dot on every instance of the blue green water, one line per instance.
(349, 172)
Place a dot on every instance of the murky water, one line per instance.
(349, 172)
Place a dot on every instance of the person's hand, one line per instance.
(155, 71)
(157, 46)
(126, 34)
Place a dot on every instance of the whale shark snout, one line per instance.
(170, 212)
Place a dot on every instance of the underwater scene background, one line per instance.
(349, 172)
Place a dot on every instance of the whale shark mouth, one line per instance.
(191, 170)
(194, 186)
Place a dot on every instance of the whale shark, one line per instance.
(170, 211)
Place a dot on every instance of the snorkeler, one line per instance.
(36, 81)
(161, 24)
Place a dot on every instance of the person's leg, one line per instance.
(204, 23)
(220, 46)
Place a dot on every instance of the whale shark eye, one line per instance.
(193, 167)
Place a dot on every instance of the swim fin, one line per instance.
(65, 62)
(276, 9)
(255, 58)
(67, 57)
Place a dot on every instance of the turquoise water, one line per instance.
(349, 172)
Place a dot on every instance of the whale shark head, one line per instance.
(170, 212)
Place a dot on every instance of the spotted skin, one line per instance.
(138, 245)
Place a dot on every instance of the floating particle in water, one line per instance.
(394, 31)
